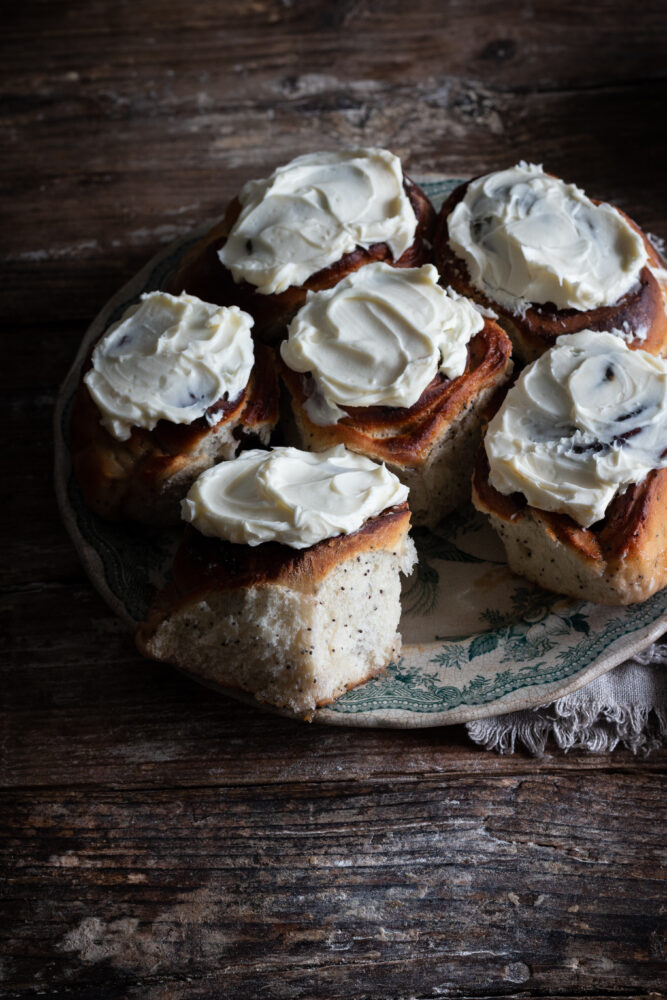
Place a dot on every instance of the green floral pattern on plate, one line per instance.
(477, 639)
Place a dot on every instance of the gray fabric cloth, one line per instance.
(627, 705)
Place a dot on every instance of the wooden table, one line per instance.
(159, 841)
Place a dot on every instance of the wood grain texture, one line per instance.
(138, 127)
(474, 882)
(159, 841)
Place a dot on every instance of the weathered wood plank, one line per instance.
(204, 987)
(480, 885)
(139, 725)
(110, 230)
(136, 148)
(40, 549)
(378, 37)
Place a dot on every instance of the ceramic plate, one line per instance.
(477, 640)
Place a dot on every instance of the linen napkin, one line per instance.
(627, 705)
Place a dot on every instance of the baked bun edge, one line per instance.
(537, 329)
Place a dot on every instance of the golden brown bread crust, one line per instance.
(145, 476)
(404, 436)
(624, 555)
(537, 330)
(202, 564)
(203, 274)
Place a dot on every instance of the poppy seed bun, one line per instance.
(620, 560)
(293, 627)
(145, 477)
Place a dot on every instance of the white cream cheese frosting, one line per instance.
(581, 424)
(169, 358)
(312, 211)
(528, 238)
(378, 338)
(294, 497)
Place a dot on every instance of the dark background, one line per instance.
(159, 841)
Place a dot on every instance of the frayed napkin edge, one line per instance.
(581, 722)
(595, 727)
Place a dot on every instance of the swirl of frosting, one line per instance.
(528, 238)
(581, 424)
(169, 358)
(378, 338)
(297, 498)
(312, 211)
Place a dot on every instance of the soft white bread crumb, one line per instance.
(536, 554)
(294, 647)
(441, 483)
(622, 561)
(147, 475)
